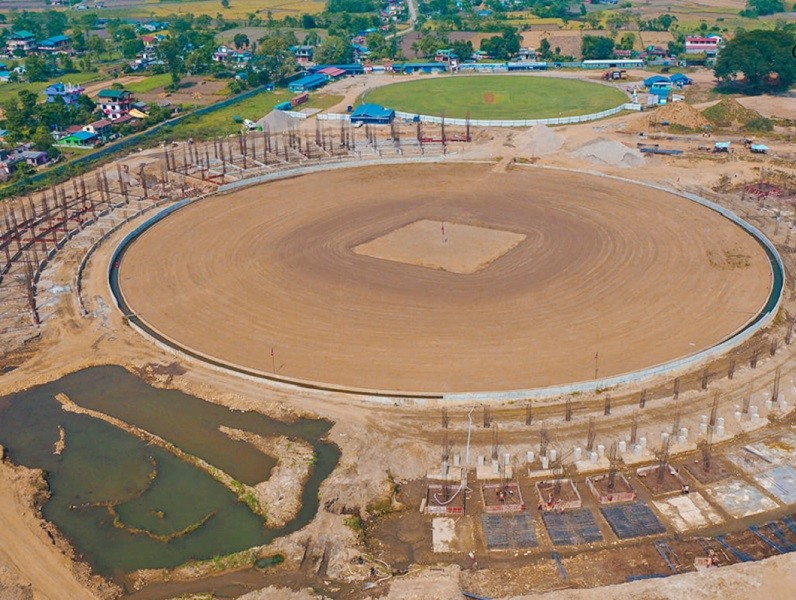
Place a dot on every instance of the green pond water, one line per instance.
(147, 487)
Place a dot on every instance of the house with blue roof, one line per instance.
(57, 44)
(80, 139)
(680, 80)
(21, 42)
(67, 92)
(656, 79)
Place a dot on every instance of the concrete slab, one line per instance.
(761, 456)
(443, 533)
(779, 482)
(740, 499)
(688, 512)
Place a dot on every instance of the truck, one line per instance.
(615, 74)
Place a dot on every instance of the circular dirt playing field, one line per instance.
(443, 278)
(498, 97)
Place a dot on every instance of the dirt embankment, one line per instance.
(280, 495)
(36, 561)
(243, 491)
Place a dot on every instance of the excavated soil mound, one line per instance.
(677, 113)
(730, 113)
(605, 152)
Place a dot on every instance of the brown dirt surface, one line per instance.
(26, 553)
(606, 266)
(93, 89)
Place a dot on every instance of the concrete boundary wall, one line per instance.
(761, 320)
(497, 122)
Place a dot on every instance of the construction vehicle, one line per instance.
(615, 74)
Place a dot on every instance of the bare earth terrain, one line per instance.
(605, 267)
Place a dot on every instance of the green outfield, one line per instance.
(497, 96)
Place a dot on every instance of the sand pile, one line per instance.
(278, 121)
(677, 113)
(539, 140)
(605, 152)
(730, 113)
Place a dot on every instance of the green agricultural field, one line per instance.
(498, 97)
(9, 90)
(150, 84)
(222, 122)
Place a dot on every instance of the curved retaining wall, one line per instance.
(761, 320)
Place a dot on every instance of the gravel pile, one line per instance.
(604, 152)
(278, 121)
(539, 140)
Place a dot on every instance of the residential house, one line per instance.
(361, 52)
(35, 157)
(115, 103)
(102, 128)
(304, 54)
(21, 42)
(80, 139)
(5, 76)
(153, 26)
(445, 55)
(524, 54)
(150, 41)
(231, 57)
(23, 153)
(710, 45)
(67, 92)
(58, 44)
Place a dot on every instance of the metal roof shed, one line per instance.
(373, 114)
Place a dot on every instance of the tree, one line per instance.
(36, 69)
(764, 58)
(462, 49)
(241, 40)
(333, 50)
(225, 3)
(55, 22)
(628, 41)
(312, 39)
(171, 51)
(544, 48)
(275, 59)
(96, 45)
(596, 47)
(503, 46)
(429, 44)
(42, 140)
(756, 8)
(131, 48)
(376, 43)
